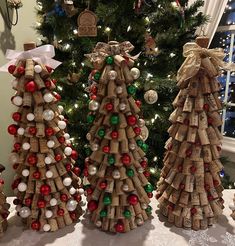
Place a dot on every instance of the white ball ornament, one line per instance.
(140, 170)
(119, 90)
(93, 105)
(49, 174)
(81, 191)
(24, 212)
(48, 214)
(67, 181)
(50, 144)
(48, 97)
(112, 75)
(48, 160)
(92, 170)
(98, 223)
(94, 147)
(25, 172)
(61, 117)
(116, 174)
(62, 124)
(139, 221)
(144, 206)
(37, 69)
(30, 117)
(125, 187)
(26, 146)
(151, 96)
(68, 151)
(53, 202)
(71, 205)
(232, 206)
(67, 142)
(22, 187)
(66, 136)
(20, 131)
(132, 146)
(135, 72)
(72, 191)
(46, 227)
(17, 100)
(60, 108)
(48, 115)
(122, 106)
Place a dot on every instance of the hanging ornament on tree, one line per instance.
(73, 77)
(69, 8)
(150, 45)
(144, 134)
(151, 97)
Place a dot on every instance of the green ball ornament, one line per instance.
(139, 142)
(131, 89)
(107, 200)
(111, 160)
(109, 60)
(144, 147)
(127, 214)
(148, 210)
(130, 172)
(103, 213)
(90, 118)
(148, 188)
(101, 133)
(97, 76)
(88, 151)
(114, 120)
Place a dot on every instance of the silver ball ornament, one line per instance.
(71, 205)
(151, 97)
(119, 90)
(135, 73)
(48, 115)
(25, 212)
(92, 170)
(93, 105)
(94, 147)
(116, 174)
(46, 227)
(112, 75)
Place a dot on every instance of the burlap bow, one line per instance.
(194, 54)
(102, 50)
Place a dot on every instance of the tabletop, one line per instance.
(155, 232)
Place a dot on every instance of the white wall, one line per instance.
(12, 39)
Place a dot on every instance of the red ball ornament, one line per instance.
(193, 169)
(1, 182)
(138, 103)
(58, 157)
(64, 198)
(11, 69)
(78, 197)
(150, 194)
(30, 86)
(16, 116)
(57, 96)
(49, 69)
(210, 198)
(74, 155)
(73, 215)
(45, 190)
(15, 166)
(17, 147)
(92, 205)
(114, 134)
(193, 211)
(206, 107)
(15, 183)
(93, 97)
(119, 227)
(106, 149)
(12, 129)
(144, 164)
(35, 225)
(146, 174)
(77, 171)
(109, 106)
(60, 212)
(49, 131)
(41, 204)
(216, 182)
(137, 130)
(48, 84)
(133, 199)
(93, 90)
(61, 139)
(131, 120)
(54, 81)
(20, 70)
(85, 172)
(28, 202)
(32, 130)
(207, 187)
(210, 120)
(36, 175)
(102, 185)
(68, 167)
(32, 159)
(188, 152)
(126, 159)
(89, 191)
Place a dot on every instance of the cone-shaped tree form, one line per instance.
(4, 206)
(46, 184)
(190, 190)
(118, 192)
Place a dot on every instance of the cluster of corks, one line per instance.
(47, 183)
(4, 206)
(190, 190)
(118, 191)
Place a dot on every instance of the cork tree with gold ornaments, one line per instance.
(116, 175)
(47, 184)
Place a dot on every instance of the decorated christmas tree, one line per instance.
(4, 206)
(190, 190)
(47, 185)
(118, 190)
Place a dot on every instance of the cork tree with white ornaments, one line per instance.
(47, 183)
(190, 189)
(117, 187)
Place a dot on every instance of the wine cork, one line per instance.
(170, 177)
(115, 200)
(53, 125)
(124, 93)
(215, 85)
(27, 100)
(104, 79)
(21, 63)
(180, 98)
(193, 87)
(118, 187)
(212, 136)
(195, 201)
(124, 146)
(199, 103)
(110, 186)
(97, 156)
(218, 101)
(192, 133)
(120, 79)
(183, 148)
(130, 185)
(56, 141)
(101, 90)
(53, 224)
(203, 199)
(39, 82)
(177, 212)
(181, 133)
(184, 199)
(207, 156)
(216, 208)
(114, 147)
(101, 171)
(20, 87)
(199, 182)
(203, 124)
(193, 119)
(133, 105)
(189, 183)
(37, 95)
(216, 119)
(212, 103)
(187, 223)
(111, 212)
(188, 104)
(205, 85)
(181, 118)
(29, 69)
(34, 147)
(59, 183)
(178, 178)
(209, 67)
(196, 153)
(43, 146)
(122, 134)
(40, 130)
(41, 162)
(123, 122)
(106, 121)
(44, 73)
(60, 221)
(173, 129)
(203, 137)
(130, 132)
(38, 112)
(119, 60)
(174, 197)
(111, 92)
(175, 114)
(215, 153)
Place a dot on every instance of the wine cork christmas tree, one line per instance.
(4, 206)
(47, 185)
(190, 191)
(118, 191)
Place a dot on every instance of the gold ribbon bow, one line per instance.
(194, 55)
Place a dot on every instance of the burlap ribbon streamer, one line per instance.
(194, 55)
(102, 50)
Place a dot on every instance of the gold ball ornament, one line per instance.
(151, 97)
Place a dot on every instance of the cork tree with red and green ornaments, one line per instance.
(116, 176)
(47, 183)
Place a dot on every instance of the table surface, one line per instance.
(155, 232)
